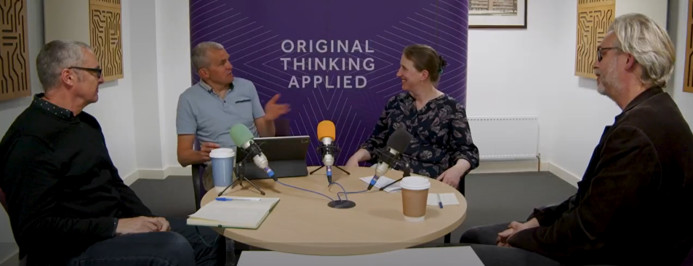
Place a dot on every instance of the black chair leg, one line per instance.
(460, 187)
(197, 173)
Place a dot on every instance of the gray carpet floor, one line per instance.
(491, 198)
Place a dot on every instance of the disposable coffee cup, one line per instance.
(414, 196)
(222, 167)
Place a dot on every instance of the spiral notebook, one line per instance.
(234, 212)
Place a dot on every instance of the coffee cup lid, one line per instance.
(221, 153)
(415, 183)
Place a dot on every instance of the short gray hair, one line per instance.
(199, 53)
(56, 56)
(649, 44)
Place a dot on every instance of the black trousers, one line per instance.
(183, 245)
(482, 239)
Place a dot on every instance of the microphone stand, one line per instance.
(406, 171)
(239, 170)
(388, 158)
(323, 150)
(394, 162)
(316, 169)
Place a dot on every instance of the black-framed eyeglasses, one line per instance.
(600, 52)
(96, 70)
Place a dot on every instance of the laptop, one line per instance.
(286, 156)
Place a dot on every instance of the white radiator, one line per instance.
(506, 137)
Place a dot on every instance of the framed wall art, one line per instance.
(498, 14)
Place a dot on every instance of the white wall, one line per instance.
(114, 110)
(532, 72)
(513, 71)
(145, 94)
(173, 34)
(678, 10)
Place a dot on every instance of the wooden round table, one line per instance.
(302, 222)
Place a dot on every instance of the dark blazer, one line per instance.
(634, 204)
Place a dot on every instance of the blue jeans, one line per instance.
(183, 245)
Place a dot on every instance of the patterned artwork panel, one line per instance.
(14, 55)
(594, 18)
(105, 36)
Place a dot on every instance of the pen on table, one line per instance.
(239, 199)
(440, 202)
(391, 183)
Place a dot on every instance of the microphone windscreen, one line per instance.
(240, 134)
(326, 130)
(399, 140)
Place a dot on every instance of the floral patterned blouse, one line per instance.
(440, 134)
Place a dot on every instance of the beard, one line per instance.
(607, 82)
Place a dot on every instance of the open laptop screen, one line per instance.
(286, 156)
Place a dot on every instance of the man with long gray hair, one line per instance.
(633, 204)
(66, 202)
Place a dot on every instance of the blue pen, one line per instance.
(230, 199)
(440, 202)
(223, 199)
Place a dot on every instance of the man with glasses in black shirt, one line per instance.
(66, 202)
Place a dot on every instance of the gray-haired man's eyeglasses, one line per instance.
(600, 52)
(96, 71)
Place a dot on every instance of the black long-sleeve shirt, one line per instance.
(63, 191)
(634, 203)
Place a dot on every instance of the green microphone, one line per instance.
(242, 137)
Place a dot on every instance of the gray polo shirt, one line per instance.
(209, 118)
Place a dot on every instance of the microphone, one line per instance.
(397, 143)
(326, 135)
(241, 136)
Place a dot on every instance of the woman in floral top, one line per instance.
(441, 146)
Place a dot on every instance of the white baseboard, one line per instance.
(508, 166)
(567, 176)
(484, 167)
(526, 166)
(156, 174)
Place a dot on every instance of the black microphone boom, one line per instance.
(397, 143)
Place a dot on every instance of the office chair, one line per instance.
(198, 171)
(460, 188)
(3, 201)
(282, 127)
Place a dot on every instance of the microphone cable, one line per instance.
(343, 192)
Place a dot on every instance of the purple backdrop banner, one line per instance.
(333, 60)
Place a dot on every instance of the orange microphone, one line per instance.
(326, 135)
